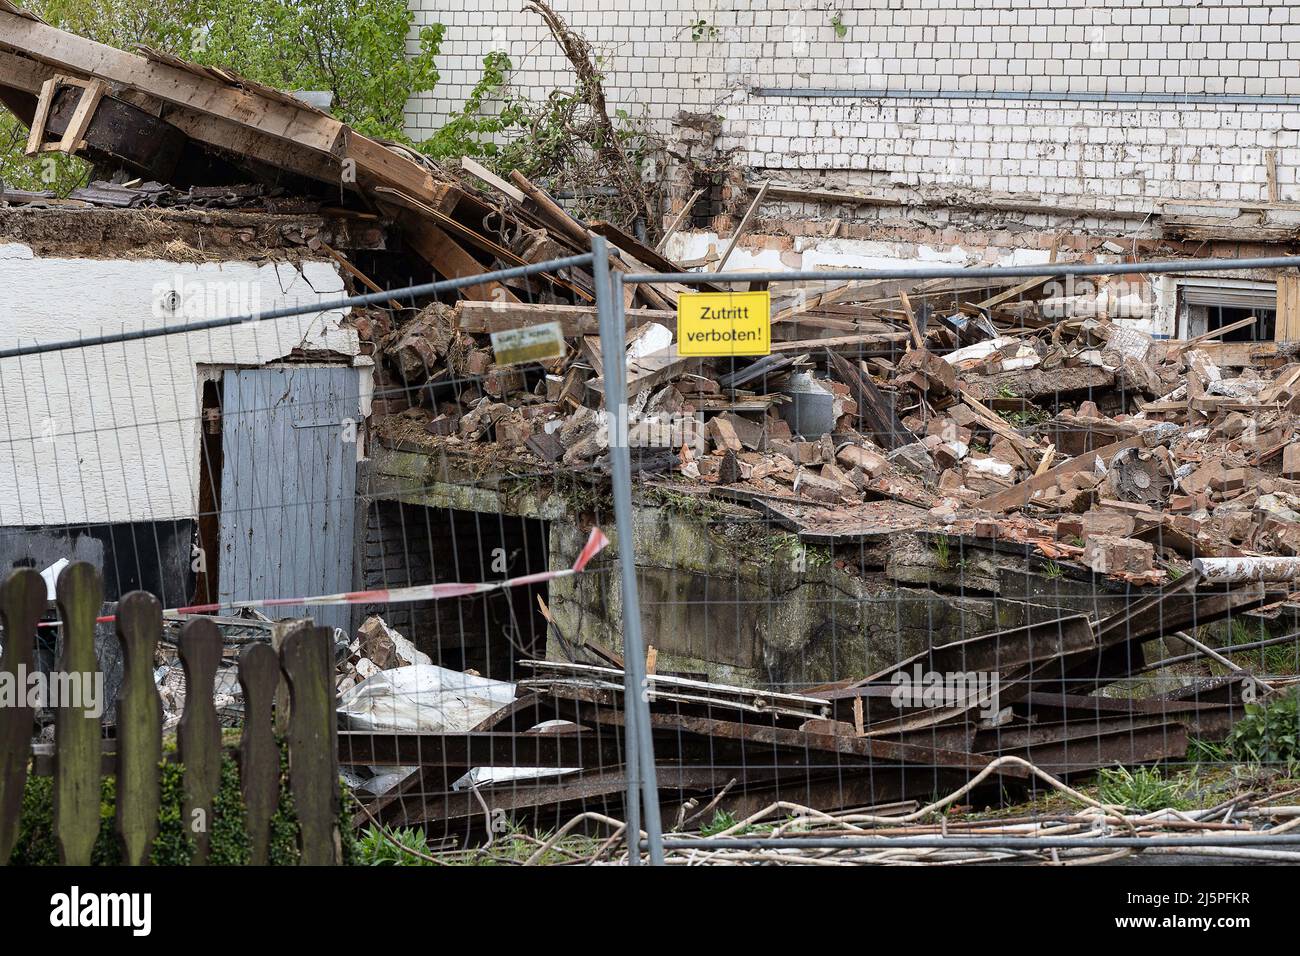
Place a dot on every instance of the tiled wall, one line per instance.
(1123, 99)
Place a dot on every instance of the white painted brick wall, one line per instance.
(1127, 153)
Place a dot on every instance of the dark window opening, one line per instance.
(1261, 331)
(709, 205)
(209, 525)
(490, 633)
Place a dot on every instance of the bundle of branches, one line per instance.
(579, 150)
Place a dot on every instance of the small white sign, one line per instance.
(536, 343)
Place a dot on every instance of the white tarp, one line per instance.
(423, 698)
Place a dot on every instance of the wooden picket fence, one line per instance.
(80, 758)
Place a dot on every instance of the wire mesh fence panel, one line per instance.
(890, 566)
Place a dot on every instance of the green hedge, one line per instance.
(36, 845)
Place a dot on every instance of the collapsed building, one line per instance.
(916, 465)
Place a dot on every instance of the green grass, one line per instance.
(1201, 751)
(1278, 659)
(1144, 789)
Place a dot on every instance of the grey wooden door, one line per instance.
(288, 486)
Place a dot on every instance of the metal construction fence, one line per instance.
(924, 575)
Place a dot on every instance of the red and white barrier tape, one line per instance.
(596, 543)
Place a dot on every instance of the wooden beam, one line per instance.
(574, 320)
(1286, 327)
(37, 134)
(492, 179)
(27, 75)
(744, 224)
(92, 92)
(873, 411)
(450, 260)
(1019, 495)
(677, 222)
(67, 51)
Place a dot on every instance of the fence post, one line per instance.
(637, 741)
(139, 727)
(22, 601)
(77, 755)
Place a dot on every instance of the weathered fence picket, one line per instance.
(22, 601)
(259, 757)
(198, 737)
(313, 740)
(139, 727)
(304, 663)
(80, 594)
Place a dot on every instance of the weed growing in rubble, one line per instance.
(1269, 733)
(375, 850)
(1052, 570)
(1144, 789)
(943, 552)
(1201, 751)
(1277, 659)
(721, 822)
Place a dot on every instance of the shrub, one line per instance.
(1270, 731)
(174, 846)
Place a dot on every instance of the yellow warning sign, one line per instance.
(724, 323)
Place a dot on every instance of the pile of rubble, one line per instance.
(966, 418)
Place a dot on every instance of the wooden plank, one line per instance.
(1019, 495)
(451, 261)
(139, 727)
(313, 742)
(37, 132)
(484, 317)
(480, 171)
(650, 259)
(744, 224)
(198, 738)
(91, 94)
(651, 370)
(863, 340)
(917, 338)
(677, 221)
(377, 162)
(80, 594)
(873, 411)
(1286, 327)
(301, 125)
(357, 274)
(22, 601)
(259, 757)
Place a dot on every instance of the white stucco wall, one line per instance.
(111, 433)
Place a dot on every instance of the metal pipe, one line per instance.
(1225, 99)
(1243, 570)
(370, 298)
(637, 738)
(1050, 270)
(1260, 838)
